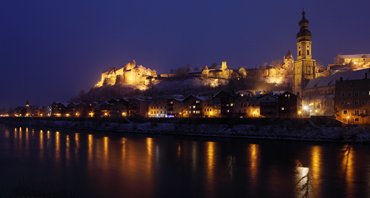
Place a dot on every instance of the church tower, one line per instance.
(304, 67)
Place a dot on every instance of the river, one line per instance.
(82, 163)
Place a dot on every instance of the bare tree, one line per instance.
(338, 60)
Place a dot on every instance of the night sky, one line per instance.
(50, 50)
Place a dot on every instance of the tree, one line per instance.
(338, 60)
(189, 68)
(213, 66)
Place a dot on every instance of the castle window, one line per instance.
(348, 102)
(356, 94)
(357, 112)
(363, 102)
(344, 111)
(349, 94)
(342, 102)
(308, 52)
(356, 102)
(299, 53)
(356, 119)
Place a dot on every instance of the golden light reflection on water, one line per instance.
(15, 133)
(67, 150)
(179, 151)
(348, 168)
(210, 167)
(90, 139)
(41, 140)
(27, 139)
(105, 148)
(77, 140)
(33, 132)
(315, 168)
(48, 134)
(253, 152)
(57, 147)
(6, 133)
(123, 141)
(149, 148)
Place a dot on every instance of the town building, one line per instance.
(290, 105)
(352, 100)
(223, 104)
(268, 106)
(157, 108)
(175, 108)
(193, 106)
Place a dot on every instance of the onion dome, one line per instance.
(304, 34)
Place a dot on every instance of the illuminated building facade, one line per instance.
(352, 101)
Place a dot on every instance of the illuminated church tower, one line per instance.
(304, 67)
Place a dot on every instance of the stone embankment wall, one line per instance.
(314, 129)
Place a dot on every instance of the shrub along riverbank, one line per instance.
(313, 129)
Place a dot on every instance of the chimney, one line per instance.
(341, 78)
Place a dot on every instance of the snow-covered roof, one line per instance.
(354, 56)
(330, 80)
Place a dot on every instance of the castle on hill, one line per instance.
(139, 75)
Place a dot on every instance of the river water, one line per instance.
(82, 163)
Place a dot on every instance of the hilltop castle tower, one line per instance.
(304, 67)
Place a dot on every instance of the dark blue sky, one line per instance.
(50, 50)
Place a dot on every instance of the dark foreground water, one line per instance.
(62, 163)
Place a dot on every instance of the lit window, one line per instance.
(197, 101)
(348, 102)
(282, 108)
(231, 104)
(194, 107)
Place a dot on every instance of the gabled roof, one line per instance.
(214, 95)
(197, 97)
(330, 80)
(267, 98)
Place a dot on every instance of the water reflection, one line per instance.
(57, 147)
(149, 147)
(41, 141)
(316, 168)
(138, 166)
(253, 151)
(348, 168)
(67, 151)
(210, 153)
(123, 141)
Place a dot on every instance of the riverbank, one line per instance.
(314, 129)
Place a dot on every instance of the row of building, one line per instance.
(221, 104)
